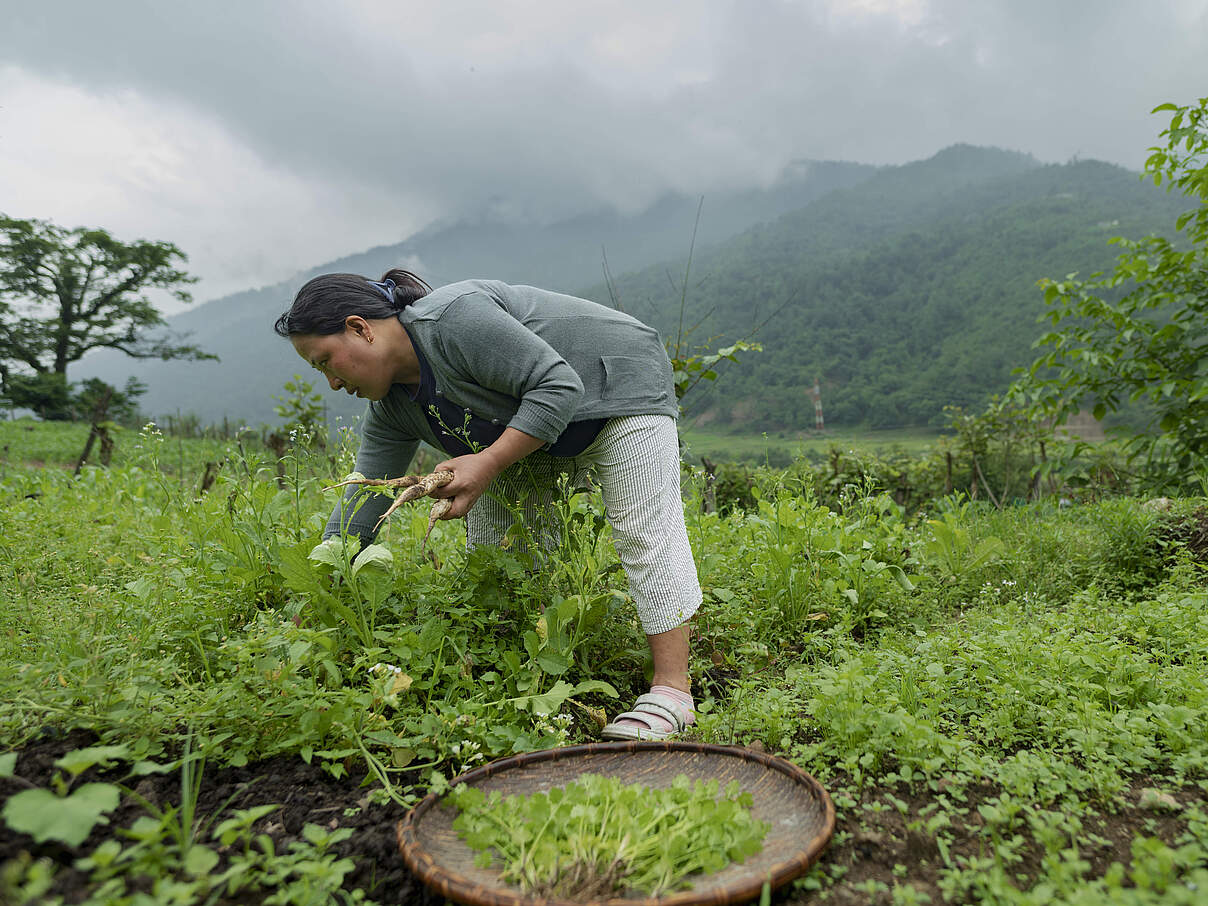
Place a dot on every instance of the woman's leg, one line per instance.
(636, 461)
(524, 489)
(669, 651)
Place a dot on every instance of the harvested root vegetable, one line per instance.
(422, 486)
(439, 508)
(413, 487)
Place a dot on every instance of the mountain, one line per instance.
(900, 289)
(566, 256)
(913, 290)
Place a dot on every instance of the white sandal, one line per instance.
(651, 704)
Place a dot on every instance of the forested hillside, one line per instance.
(566, 256)
(902, 289)
(913, 290)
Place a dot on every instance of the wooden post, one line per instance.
(708, 500)
(276, 442)
(207, 479)
(99, 413)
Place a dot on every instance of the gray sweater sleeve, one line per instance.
(385, 452)
(484, 343)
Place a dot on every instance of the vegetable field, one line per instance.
(198, 706)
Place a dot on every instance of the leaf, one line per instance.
(549, 702)
(903, 579)
(376, 556)
(8, 764)
(77, 762)
(329, 551)
(386, 738)
(554, 663)
(143, 768)
(68, 820)
(532, 643)
(297, 573)
(200, 860)
(143, 588)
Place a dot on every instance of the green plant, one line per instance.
(1135, 334)
(954, 551)
(980, 720)
(304, 412)
(597, 836)
(63, 813)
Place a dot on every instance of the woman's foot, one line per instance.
(660, 714)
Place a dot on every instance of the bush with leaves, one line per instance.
(1137, 334)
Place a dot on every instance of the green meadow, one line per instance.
(200, 704)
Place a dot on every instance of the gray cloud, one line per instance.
(412, 114)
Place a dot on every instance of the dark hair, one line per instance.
(325, 301)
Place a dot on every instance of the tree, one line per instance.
(64, 292)
(1140, 333)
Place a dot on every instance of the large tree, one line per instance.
(64, 292)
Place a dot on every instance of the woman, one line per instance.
(517, 383)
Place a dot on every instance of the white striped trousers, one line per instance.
(635, 462)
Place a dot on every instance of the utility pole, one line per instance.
(816, 393)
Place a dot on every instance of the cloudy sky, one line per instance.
(265, 136)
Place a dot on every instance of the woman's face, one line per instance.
(353, 361)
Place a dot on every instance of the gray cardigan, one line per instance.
(518, 356)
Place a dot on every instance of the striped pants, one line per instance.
(635, 462)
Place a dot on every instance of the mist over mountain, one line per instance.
(900, 289)
(566, 256)
(913, 290)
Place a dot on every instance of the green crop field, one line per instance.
(196, 706)
(781, 448)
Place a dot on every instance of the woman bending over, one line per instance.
(518, 385)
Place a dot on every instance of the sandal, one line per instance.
(648, 705)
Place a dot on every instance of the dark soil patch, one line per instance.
(873, 842)
(306, 794)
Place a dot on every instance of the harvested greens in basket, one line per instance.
(599, 837)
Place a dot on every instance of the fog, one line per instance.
(265, 138)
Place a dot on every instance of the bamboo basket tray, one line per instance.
(800, 813)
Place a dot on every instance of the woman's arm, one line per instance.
(482, 343)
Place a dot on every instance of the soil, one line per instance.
(873, 840)
(306, 793)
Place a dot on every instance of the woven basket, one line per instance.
(800, 813)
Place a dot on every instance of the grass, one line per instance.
(25, 441)
(781, 448)
(1008, 707)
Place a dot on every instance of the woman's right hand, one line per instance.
(472, 475)
(474, 472)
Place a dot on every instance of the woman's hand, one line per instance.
(474, 472)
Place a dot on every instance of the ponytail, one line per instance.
(407, 287)
(323, 303)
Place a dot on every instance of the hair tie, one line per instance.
(386, 288)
